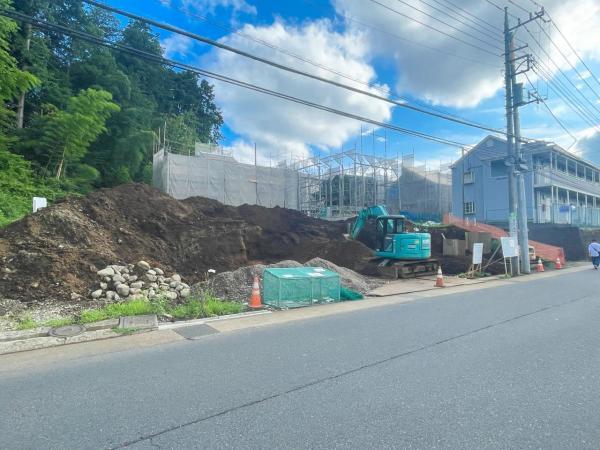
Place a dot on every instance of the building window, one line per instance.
(469, 208)
(498, 168)
(468, 177)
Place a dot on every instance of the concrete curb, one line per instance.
(39, 338)
(21, 341)
(189, 323)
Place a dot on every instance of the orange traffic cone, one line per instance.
(255, 301)
(558, 264)
(540, 266)
(439, 281)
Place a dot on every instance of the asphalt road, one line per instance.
(511, 367)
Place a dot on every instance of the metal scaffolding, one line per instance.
(338, 186)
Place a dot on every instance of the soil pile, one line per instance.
(57, 251)
(237, 284)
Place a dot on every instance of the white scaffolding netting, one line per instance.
(224, 179)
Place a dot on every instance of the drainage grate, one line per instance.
(195, 331)
(67, 331)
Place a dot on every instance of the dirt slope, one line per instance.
(56, 251)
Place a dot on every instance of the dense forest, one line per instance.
(75, 116)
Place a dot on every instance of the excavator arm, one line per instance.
(368, 213)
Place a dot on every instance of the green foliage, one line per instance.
(18, 184)
(26, 323)
(126, 331)
(92, 315)
(60, 322)
(192, 308)
(13, 81)
(195, 308)
(66, 135)
(90, 112)
(135, 307)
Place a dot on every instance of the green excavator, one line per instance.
(400, 253)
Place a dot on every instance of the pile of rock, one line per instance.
(118, 282)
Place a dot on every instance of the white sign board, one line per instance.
(510, 248)
(39, 203)
(477, 253)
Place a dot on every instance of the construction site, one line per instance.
(333, 187)
(63, 256)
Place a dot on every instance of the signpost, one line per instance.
(477, 259)
(510, 249)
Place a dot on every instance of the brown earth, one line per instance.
(56, 251)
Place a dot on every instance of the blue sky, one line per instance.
(458, 71)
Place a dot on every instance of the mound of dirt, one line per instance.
(56, 252)
(237, 284)
(348, 278)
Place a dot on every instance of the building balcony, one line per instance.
(545, 177)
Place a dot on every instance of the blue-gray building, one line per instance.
(560, 187)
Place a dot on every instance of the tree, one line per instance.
(13, 81)
(67, 135)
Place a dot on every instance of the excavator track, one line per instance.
(393, 269)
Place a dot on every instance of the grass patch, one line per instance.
(92, 315)
(126, 331)
(195, 308)
(61, 322)
(214, 307)
(136, 307)
(26, 323)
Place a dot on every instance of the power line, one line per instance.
(568, 61)
(434, 29)
(573, 50)
(557, 85)
(519, 6)
(449, 25)
(560, 123)
(404, 39)
(559, 89)
(474, 19)
(478, 30)
(283, 67)
(314, 63)
(161, 60)
(594, 107)
(495, 5)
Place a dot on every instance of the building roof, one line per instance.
(488, 149)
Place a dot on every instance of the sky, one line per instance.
(435, 54)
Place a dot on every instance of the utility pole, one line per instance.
(510, 155)
(518, 223)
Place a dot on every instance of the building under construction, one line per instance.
(341, 184)
(335, 186)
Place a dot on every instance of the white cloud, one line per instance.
(282, 128)
(176, 45)
(211, 6)
(588, 145)
(452, 81)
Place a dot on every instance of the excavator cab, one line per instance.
(387, 227)
(393, 241)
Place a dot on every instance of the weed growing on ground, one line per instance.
(92, 315)
(126, 331)
(196, 308)
(26, 323)
(215, 307)
(192, 308)
(60, 322)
